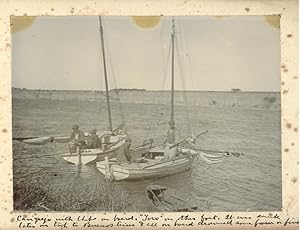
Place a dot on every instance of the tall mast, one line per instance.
(172, 82)
(105, 75)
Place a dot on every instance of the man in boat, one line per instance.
(172, 140)
(123, 151)
(77, 140)
(93, 141)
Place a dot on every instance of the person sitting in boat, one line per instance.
(93, 141)
(77, 140)
(172, 140)
(105, 140)
(124, 151)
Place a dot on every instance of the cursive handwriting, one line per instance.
(150, 221)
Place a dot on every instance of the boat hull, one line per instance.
(87, 156)
(151, 169)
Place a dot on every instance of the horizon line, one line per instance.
(151, 90)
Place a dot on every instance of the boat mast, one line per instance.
(105, 75)
(172, 82)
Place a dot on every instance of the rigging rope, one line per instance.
(114, 81)
(180, 46)
(117, 89)
(153, 129)
(182, 76)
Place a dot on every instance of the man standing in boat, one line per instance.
(77, 140)
(173, 137)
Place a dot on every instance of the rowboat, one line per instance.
(169, 200)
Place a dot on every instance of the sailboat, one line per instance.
(111, 140)
(154, 163)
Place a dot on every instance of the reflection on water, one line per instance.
(251, 182)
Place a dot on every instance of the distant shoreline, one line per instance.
(140, 90)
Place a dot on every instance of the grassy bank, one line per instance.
(34, 194)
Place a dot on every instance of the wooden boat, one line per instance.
(169, 200)
(86, 156)
(155, 163)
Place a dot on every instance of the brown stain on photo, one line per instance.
(19, 23)
(289, 35)
(146, 21)
(72, 10)
(12, 220)
(52, 9)
(295, 77)
(286, 150)
(247, 9)
(292, 144)
(282, 83)
(285, 91)
(273, 20)
(288, 125)
(285, 70)
(294, 180)
(295, 129)
(221, 16)
(4, 130)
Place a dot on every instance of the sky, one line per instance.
(211, 54)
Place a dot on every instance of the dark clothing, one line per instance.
(77, 141)
(93, 142)
(77, 137)
(123, 154)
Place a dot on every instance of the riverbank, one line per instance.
(35, 194)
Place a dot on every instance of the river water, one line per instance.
(251, 182)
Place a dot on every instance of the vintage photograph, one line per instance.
(146, 113)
